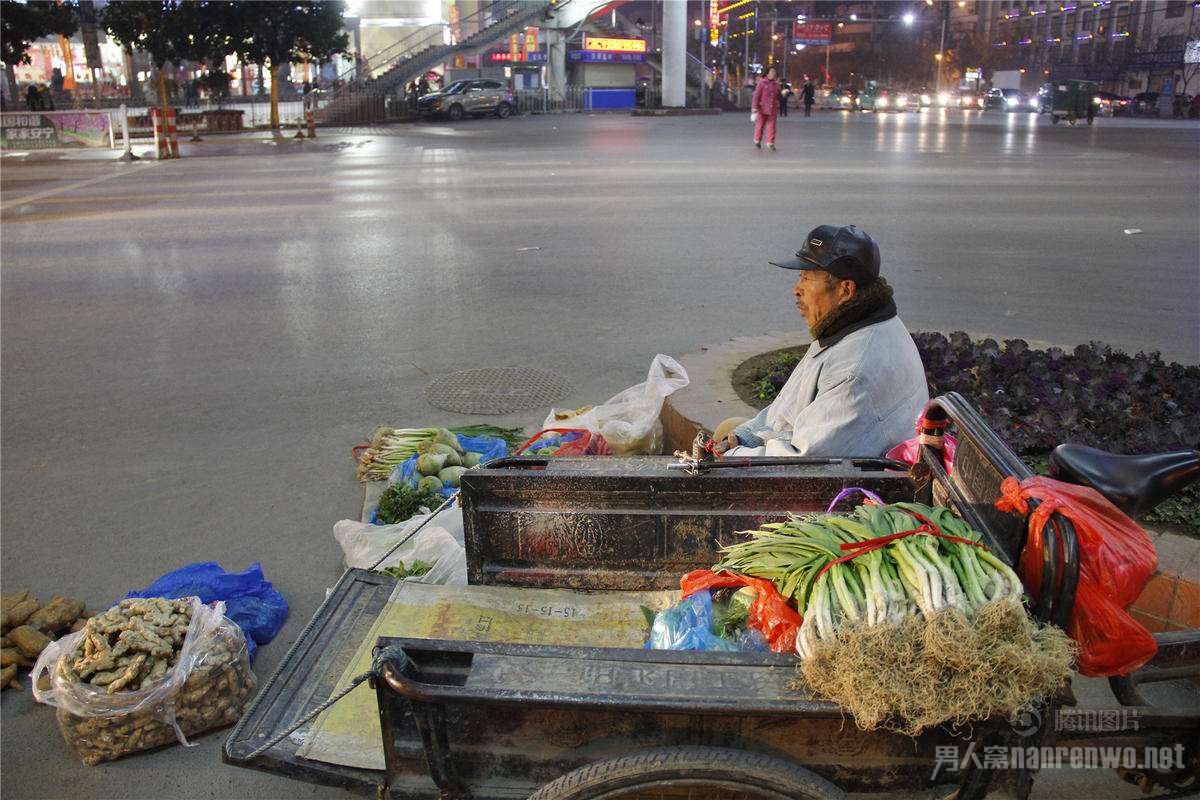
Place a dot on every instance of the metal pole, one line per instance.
(942, 49)
(128, 154)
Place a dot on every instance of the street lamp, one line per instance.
(908, 18)
(854, 17)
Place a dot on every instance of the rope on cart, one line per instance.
(388, 653)
(416, 530)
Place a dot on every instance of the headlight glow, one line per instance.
(902, 100)
(881, 102)
(943, 99)
(1033, 102)
(926, 99)
(1096, 100)
(845, 99)
(1011, 102)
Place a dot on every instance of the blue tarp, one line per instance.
(250, 599)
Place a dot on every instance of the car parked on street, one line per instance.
(474, 97)
(1145, 104)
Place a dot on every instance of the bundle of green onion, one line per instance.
(919, 574)
(911, 631)
(392, 446)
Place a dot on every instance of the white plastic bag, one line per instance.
(208, 687)
(629, 421)
(753, 117)
(364, 543)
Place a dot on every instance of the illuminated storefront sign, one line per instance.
(535, 57)
(598, 44)
(589, 57)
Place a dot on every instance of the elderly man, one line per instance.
(860, 387)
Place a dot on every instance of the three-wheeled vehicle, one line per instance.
(462, 718)
(1072, 100)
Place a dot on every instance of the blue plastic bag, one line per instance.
(689, 626)
(489, 448)
(552, 440)
(250, 599)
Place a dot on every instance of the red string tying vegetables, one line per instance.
(868, 545)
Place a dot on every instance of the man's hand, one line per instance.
(726, 444)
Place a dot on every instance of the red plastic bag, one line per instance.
(908, 451)
(588, 444)
(770, 613)
(1116, 558)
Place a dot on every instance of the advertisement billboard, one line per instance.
(812, 33)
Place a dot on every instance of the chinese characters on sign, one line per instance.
(812, 33)
(606, 58)
(55, 129)
(598, 44)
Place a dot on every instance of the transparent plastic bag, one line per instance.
(629, 421)
(208, 687)
(364, 543)
(770, 613)
(689, 626)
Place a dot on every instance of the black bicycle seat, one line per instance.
(1133, 483)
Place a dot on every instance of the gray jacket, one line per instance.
(858, 397)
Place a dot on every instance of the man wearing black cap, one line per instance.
(860, 386)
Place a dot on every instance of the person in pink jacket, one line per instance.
(765, 108)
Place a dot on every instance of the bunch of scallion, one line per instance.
(913, 632)
(919, 574)
(392, 446)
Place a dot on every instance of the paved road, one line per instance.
(190, 348)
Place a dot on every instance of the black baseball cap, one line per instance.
(844, 252)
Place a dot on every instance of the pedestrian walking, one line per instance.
(33, 97)
(785, 91)
(764, 109)
(808, 95)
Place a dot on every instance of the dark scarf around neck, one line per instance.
(871, 305)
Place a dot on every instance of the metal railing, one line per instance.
(547, 101)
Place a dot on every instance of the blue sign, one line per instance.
(590, 57)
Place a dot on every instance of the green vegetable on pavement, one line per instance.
(399, 503)
(431, 463)
(429, 484)
(390, 447)
(418, 569)
(450, 475)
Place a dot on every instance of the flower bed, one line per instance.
(1037, 399)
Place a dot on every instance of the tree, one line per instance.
(154, 27)
(21, 24)
(209, 31)
(280, 33)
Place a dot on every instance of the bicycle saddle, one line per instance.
(1133, 483)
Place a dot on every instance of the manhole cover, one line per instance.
(496, 391)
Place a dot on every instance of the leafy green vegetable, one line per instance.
(398, 503)
(401, 572)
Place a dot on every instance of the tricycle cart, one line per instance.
(492, 720)
(1073, 99)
